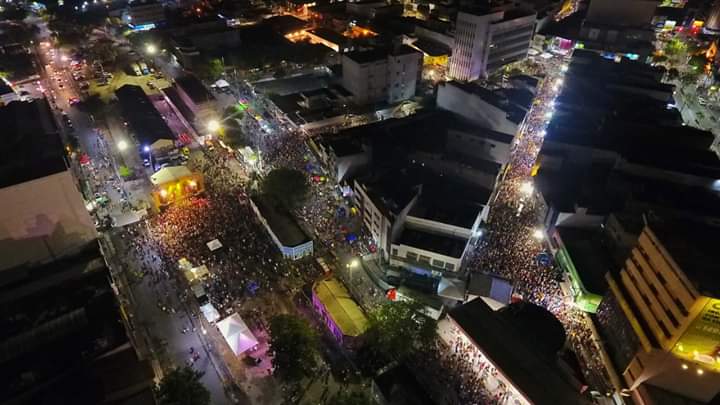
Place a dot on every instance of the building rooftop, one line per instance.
(281, 222)
(497, 98)
(514, 353)
(693, 247)
(459, 212)
(329, 35)
(590, 255)
(341, 307)
(31, 143)
(194, 88)
(138, 110)
(432, 242)
(432, 48)
(492, 286)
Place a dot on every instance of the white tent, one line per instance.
(237, 334)
(210, 313)
(214, 245)
(222, 84)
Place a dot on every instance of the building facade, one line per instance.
(381, 76)
(483, 43)
(666, 295)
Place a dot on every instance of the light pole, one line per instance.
(147, 150)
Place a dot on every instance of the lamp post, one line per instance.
(147, 150)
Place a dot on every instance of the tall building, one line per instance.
(382, 76)
(488, 41)
(712, 22)
(661, 317)
(632, 13)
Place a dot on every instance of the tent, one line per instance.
(214, 245)
(169, 174)
(210, 313)
(221, 84)
(237, 334)
(196, 273)
(162, 145)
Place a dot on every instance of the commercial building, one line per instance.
(379, 76)
(142, 15)
(501, 110)
(42, 211)
(486, 41)
(145, 123)
(342, 315)
(517, 348)
(61, 329)
(285, 232)
(660, 319)
(200, 105)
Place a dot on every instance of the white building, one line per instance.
(481, 106)
(484, 43)
(198, 100)
(139, 14)
(380, 76)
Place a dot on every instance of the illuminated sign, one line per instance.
(701, 340)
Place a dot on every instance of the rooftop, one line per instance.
(281, 222)
(341, 307)
(140, 113)
(458, 212)
(693, 247)
(590, 255)
(31, 144)
(432, 48)
(514, 353)
(194, 88)
(432, 242)
(329, 35)
(498, 98)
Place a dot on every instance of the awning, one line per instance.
(214, 245)
(196, 273)
(237, 334)
(169, 174)
(210, 313)
(222, 83)
(162, 145)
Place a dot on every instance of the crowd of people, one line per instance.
(512, 242)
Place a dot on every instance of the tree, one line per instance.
(675, 47)
(698, 62)
(294, 346)
(659, 58)
(209, 70)
(673, 74)
(348, 397)
(397, 329)
(288, 187)
(12, 12)
(182, 386)
(103, 50)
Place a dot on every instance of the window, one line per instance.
(412, 256)
(425, 259)
(438, 263)
(664, 329)
(394, 252)
(661, 278)
(672, 318)
(450, 266)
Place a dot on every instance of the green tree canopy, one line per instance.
(294, 346)
(209, 70)
(675, 47)
(182, 386)
(397, 329)
(288, 187)
(351, 397)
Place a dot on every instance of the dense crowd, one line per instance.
(512, 242)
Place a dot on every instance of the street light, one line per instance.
(354, 263)
(213, 126)
(122, 146)
(150, 49)
(538, 234)
(146, 149)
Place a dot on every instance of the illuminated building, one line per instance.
(486, 42)
(341, 313)
(662, 315)
(175, 183)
